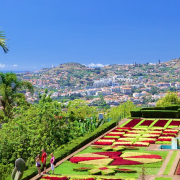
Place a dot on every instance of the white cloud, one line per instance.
(14, 65)
(2, 65)
(96, 65)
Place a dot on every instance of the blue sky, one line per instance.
(42, 32)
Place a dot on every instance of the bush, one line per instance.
(136, 113)
(159, 114)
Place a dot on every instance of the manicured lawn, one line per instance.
(168, 167)
(163, 178)
(66, 168)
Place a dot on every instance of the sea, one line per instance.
(16, 72)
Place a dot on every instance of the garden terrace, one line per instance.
(122, 152)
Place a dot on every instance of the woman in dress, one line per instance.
(38, 164)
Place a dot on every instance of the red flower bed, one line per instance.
(103, 168)
(169, 139)
(132, 123)
(147, 123)
(109, 153)
(171, 135)
(116, 157)
(178, 170)
(152, 156)
(109, 138)
(132, 133)
(79, 159)
(170, 132)
(103, 143)
(160, 123)
(124, 162)
(124, 128)
(55, 178)
(113, 134)
(174, 123)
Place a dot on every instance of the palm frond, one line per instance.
(3, 42)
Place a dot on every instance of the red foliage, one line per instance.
(116, 157)
(178, 170)
(109, 153)
(152, 156)
(79, 159)
(160, 123)
(103, 143)
(174, 123)
(169, 139)
(103, 168)
(113, 134)
(171, 135)
(121, 161)
(147, 123)
(132, 123)
(170, 132)
(55, 178)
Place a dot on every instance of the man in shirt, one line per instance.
(43, 159)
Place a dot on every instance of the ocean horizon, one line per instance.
(15, 71)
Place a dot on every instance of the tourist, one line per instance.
(52, 161)
(38, 164)
(43, 160)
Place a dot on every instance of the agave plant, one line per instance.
(17, 173)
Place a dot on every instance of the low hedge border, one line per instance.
(63, 151)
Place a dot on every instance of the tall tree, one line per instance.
(3, 42)
(9, 91)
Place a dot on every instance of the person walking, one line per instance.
(52, 162)
(38, 164)
(43, 160)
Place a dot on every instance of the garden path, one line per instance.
(163, 167)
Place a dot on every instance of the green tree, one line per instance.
(3, 42)
(170, 98)
(9, 91)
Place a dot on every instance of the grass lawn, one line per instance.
(163, 178)
(168, 167)
(66, 168)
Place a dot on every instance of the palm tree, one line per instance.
(9, 91)
(3, 42)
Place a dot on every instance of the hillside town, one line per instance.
(143, 84)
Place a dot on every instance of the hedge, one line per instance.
(159, 114)
(65, 150)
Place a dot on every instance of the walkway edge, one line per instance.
(163, 167)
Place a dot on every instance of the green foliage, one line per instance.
(122, 111)
(79, 110)
(9, 90)
(3, 42)
(169, 99)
